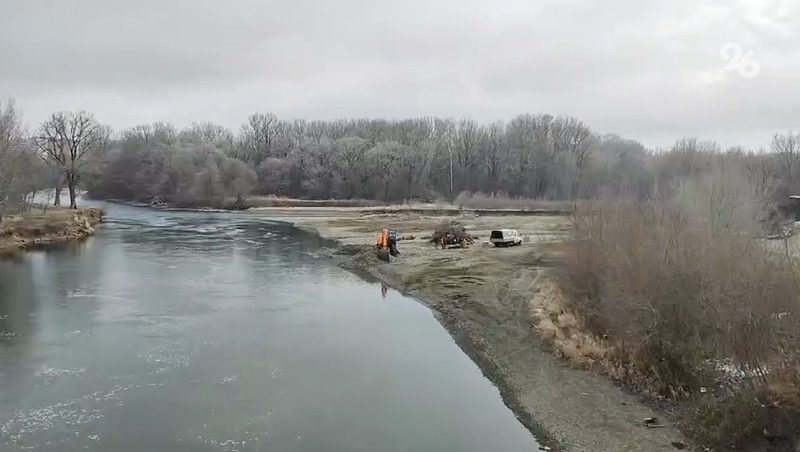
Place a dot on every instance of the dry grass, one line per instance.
(513, 208)
(677, 300)
(500, 201)
(556, 323)
(275, 201)
(46, 226)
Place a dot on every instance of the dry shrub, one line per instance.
(559, 325)
(450, 228)
(724, 422)
(688, 310)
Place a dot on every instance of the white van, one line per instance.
(505, 237)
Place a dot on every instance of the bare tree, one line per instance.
(350, 153)
(274, 176)
(65, 140)
(257, 136)
(15, 164)
(466, 137)
(787, 147)
(207, 185)
(238, 179)
(493, 141)
(573, 138)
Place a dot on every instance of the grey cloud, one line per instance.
(647, 71)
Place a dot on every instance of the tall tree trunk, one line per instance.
(71, 180)
(57, 201)
(72, 198)
(409, 182)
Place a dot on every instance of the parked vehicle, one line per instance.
(505, 237)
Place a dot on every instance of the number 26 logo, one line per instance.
(739, 60)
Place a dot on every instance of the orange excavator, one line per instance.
(387, 244)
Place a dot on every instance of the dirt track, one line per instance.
(490, 299)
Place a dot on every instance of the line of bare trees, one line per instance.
(425, 158)
(530, 156)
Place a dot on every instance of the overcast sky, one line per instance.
(646, 70)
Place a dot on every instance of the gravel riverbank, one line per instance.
(490, 300)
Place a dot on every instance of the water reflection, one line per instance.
(17, 300)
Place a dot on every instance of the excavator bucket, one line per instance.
(383, 246)
(383, 254)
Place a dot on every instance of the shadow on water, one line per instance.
(73, 245)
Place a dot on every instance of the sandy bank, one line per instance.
(53, 226)
(491, 300)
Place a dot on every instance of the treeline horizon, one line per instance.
(529, 156)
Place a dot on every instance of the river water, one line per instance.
(179, 331)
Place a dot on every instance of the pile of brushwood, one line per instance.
(451, 233)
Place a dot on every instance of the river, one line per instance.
(182, 331)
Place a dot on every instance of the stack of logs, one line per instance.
(451, 233)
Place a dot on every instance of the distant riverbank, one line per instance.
(336, 207)
(47, 227)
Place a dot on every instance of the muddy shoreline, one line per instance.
(566, 408)
(51, 228)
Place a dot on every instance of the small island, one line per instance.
(40, 227)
